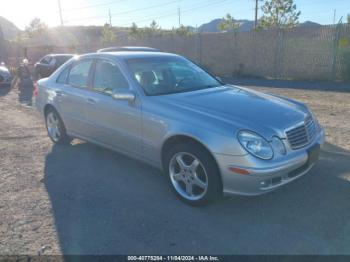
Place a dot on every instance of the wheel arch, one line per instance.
(48, 107)
(181, 138)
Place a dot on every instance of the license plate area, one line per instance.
(313, 154)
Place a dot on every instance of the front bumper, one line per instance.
(265, 176)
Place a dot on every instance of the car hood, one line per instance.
(244, 108)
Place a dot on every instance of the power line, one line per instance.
(175, 13)
(126, 12)
(92, 6)
(193, 8)
(184, 11)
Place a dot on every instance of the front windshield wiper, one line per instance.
(210, 86)
(189, 90)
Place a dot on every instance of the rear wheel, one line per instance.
(55, 128)
(193, 174)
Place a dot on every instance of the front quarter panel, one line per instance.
(160, 123)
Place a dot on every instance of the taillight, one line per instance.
(35, 89)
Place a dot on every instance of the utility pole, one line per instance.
(179, 14)
(110, 17)
(60, 11)
(256, 13)
(334, 16)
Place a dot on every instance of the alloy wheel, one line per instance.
(188, 176)
(53, 126)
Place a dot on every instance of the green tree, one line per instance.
(280, 14)
(154, 27)
(152, 30)
(107, 34)
(134, 30)
(228, 24)
(348, 18)
(183, 31)
(35, 27)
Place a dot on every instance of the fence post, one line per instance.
(335, 51)
(172, 41)
(199, 48)
(279, 53)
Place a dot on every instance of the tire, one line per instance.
(55, 128)
(198, 171)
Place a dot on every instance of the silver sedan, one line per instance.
(208, 137)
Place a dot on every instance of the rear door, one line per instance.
(73, 94)
(115, 123)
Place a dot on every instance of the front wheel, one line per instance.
(193, 174)
(55, 128)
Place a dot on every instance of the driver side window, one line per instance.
(108, 77)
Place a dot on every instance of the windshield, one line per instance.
(168, 75)
(62, 59)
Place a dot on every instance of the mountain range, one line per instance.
(244, 25)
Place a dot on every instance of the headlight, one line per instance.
(255, 144)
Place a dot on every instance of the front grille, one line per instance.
(302, 135)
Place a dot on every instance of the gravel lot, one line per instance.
(82, 199)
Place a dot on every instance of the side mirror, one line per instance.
(124, 94)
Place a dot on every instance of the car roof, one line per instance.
(128, 55)
(61, 55)
(128, 48)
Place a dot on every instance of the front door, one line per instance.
(115, 123)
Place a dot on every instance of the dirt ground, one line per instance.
(55, 200)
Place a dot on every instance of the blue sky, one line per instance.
(124, 12)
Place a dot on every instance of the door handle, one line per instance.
(90, 101)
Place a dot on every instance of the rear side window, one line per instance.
(62, 78)
(62, 59)
(79, 74)
(46, 60)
